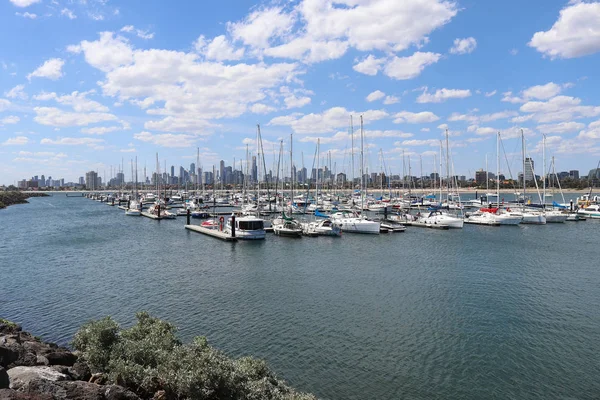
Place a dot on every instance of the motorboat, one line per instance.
(441, 218)
(248, 228)
(324, 227)
(352, 222)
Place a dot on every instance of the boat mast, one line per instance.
(352, 157)
(498, 169)
(362, 174)
(544, 173)
(317, 173)
(524, 180)
(447, 167)
(291, 170)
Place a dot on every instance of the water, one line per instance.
(482, 312)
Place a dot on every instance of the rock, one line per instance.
(38, 348)
(9, 394)
(9, 327)
(4, 381)
(160, 395)
(8, 355)
(73, 390)
(115, 392)
(61, 358)
(21, 376)
(98, 378)
(41, 360)
(80, 371)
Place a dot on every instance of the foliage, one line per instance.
(148, 357)
(8, 323)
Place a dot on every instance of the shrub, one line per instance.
(148, 357)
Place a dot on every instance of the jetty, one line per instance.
(226, 236)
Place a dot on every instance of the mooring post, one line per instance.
(158, 208)
(188, 214)
(233, 226)
(385, 212)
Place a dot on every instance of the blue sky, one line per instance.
(85, 84)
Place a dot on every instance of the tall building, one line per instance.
(43, 181)
(529, 168)
(481, 176)
(192, 168)
(222, 171)
(254, 170)
(91, 180)
(573, 174)
(81, 180)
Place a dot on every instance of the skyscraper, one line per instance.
(222, 171)
(192, 168)
(254, 170)
(529, 168)
(91, 180)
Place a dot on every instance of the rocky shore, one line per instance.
(34, 370)
(145, 361)
(10, 198)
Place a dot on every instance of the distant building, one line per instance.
(529, 168)
(481, 176)
(574, 174)
(92, 181)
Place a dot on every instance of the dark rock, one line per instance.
(61, 358)
(80, 371)
(115, 392)
(41, 360)
(4, 381)
(8, 355)
(9, 394)
(38, 348)
(21, 376)
(73, 390)
(9, 327)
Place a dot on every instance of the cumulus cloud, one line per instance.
(51, 69)
(24, 3)
(415, 118)
(344, 136)
(18, 92)
(559, 108)
(73, 141)
(16, 141)
(369, 65)
(442, 95)
(68, 13)
(574, 34)
(259, 108)
(56, 117)
(464, 46)
(11, 119)
(219, 49)
(327, 121)
(403, 68)
(563, 127)
(376, 95)
(390, 100)
(167, 139)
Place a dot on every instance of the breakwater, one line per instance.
(13, 197)
(142, 362)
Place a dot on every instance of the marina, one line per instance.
(294, 302)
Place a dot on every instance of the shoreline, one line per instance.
(11, 198)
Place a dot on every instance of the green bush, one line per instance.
(148, 357)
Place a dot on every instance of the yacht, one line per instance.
(248, 228)
(441, 218)
(352, 222)
(325, 227)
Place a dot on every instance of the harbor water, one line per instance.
(476, 313)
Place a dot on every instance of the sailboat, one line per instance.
(552, 216)
(351, 221)
(135, 207)
(529, 217)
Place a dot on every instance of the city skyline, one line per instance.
(85, 84)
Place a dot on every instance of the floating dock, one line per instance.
(212, 232)
(152, 216)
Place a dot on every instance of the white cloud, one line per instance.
(369, 66)
(509, 98)
(77, 100)
(376, 95)
(51, 69)
(129, 150)
(490, 94)
(258, 28)
(259, 108)
(55, 117)
(563, 127)
(26, 15)
(71, 141)
(4, 104)
(68, 13)
(107, 53)
(559, 108)
(24, 3)
(442, 95)
(11, 119)
(418, 142)
(183, 89)
(391, 100)
(464, 46)
(291, 101)
(101, 130)
(17, 92)
(328, 121)
(344, 136)
(542, 92)
(218, 49)
(142, 34)
(16, 141)
(574, 34)
(166, 139)
(410, 67)
(415, 118)
(514, 52)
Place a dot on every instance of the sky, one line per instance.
(90, 84)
